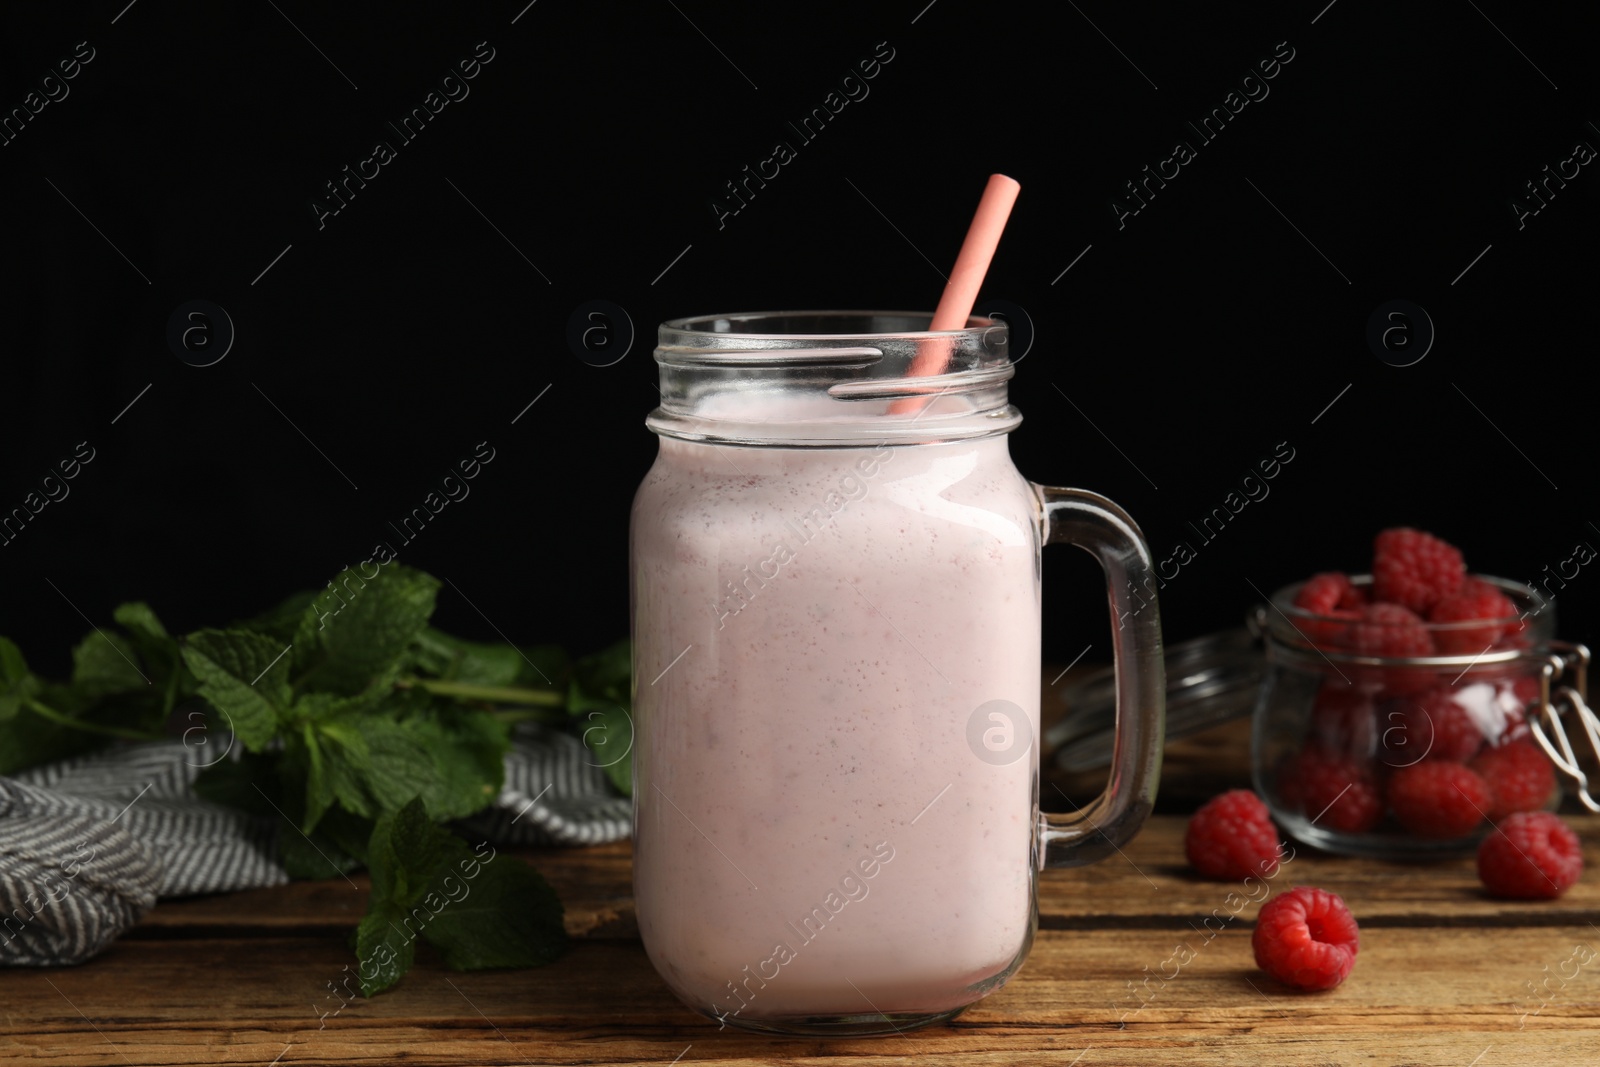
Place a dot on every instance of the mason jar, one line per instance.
(1408, 756)
(835, 575)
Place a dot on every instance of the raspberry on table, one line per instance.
(1532, 856)
(1415, 569)
(1476, 601)
(1306, 938)
(1519, 775)
(1435, 798)
(1332, 790)
(1232, 837)
(1430, 725)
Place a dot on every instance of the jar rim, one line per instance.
(1517, 592)
(831, 379)
(674, 331)
(1282, 627)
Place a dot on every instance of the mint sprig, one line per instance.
(480, 908)
(363, 725)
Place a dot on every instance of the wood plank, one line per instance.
(1153, 881)
(596, 885)
(1415, 997)
(1444, 977)
(1150, 885)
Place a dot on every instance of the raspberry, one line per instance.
(1232, 837)
(1519, 775)
(1343, 721)
(1432, 725)
(1415, 569)
(1517, 635)
(1438, 799)
(1532, 856)
(1389, 629)
(1330, 595)
(1476, 600)
(1306, 938)
(1323, 593)
(1337, 792)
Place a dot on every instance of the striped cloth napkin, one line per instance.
(88, 845)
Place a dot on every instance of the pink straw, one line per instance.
(966, 278)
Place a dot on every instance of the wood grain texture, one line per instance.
(1428, 996)
(1149, 886)
(1446, 976)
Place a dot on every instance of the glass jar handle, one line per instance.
(1095, 524)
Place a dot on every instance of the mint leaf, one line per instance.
(282, 619)
(469, 759)
(605, 677)
(16, 683)
(245, 676)
(320, 791)
(56, 720)
(349, 834)
(321, 707)
(508, 916)
(454, 660)
(333, 763)
(467, 749)
(608, 734)
(601, 698)
(13, 667)
(375, 765)
(397, 854)
(159, 651)
(259, 783)
(478, 910)
(365, 627)
(140, 620)
(293, 622)
(312, 856)
(338, 764)
(382, 948)
(32, 739)
(105, 663)
(452, 759)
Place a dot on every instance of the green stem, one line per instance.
(47, 712)
(495, 693)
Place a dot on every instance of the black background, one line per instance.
(414, 324)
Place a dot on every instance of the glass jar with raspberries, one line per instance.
(1396, 715)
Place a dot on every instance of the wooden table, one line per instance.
(1444, 976)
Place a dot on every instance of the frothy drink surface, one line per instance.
(810, 815)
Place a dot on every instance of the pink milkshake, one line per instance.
(815, 628)
(836, 602)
